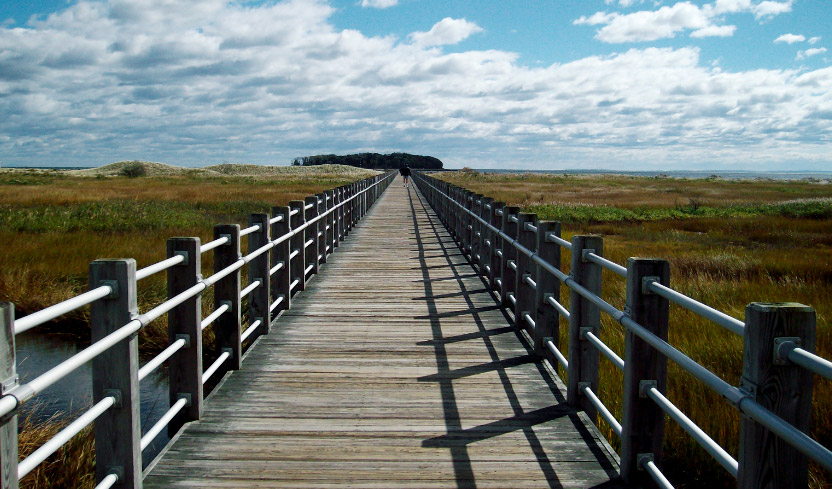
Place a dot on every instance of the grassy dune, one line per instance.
(54, 223)
(728, 243)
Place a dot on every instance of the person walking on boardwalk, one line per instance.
(405, 171)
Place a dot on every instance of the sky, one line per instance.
(647, 85)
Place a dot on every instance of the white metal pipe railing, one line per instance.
(696, 307)
(276, 268)
(159, 359)
(602, 410)
(700, 437)
(807, 360)
(250, 330)
(250, 288)
(158, 267)
(157, 428)
(609, 265)
(558, 355)
(21, 393)
(558, 307)
(213, 244)
(29, 463)
(61, 308)
(215, 366)
(605, 350)
(214, 315)
(249, 230)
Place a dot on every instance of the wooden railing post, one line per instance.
(468, 231)
(329, 221)
(258, 269)
(644, 367)
(312, 233)
(115, 372)
(496, 244)
(9, 379)
(322, 243)
(298, 267)
(785, 389)
(227, 328)
(486, 249)
(336, 218)
(524, 292)
(584, 316)
(548, 319)
(474, 208)
(281, 279)
(508, 275)
(184, 322)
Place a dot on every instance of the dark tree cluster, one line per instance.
(373, 161)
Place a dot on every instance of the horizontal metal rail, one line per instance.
(707, 312)
(108, 482)
(700, 437)
(29, 463)
(213, 244)
(249, 230)
(250, 288)
(157, 428)
(602, 410)
(61, 308)
(276, 268)
(308, 269)
(604, 263)
(158, 267)
(214, 315)
(530, 282)
(276, 219)
(605, 350)
(558, 307)
(276, 303)
(554, 238)
(294, 284)
(558, 355)
(656, 474)
(805, 359)
(161, 357)
(250, 330)
(225, 355)
(529, 320)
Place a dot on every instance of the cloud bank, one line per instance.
(213, 81)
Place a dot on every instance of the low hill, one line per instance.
(150, 169)
(373, 160)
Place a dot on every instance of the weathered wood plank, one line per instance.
(396, 367)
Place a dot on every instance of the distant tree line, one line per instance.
(372, 160)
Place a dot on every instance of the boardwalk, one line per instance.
(395, 368)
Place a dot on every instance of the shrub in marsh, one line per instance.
(134, 169)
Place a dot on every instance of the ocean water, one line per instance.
(730, 175)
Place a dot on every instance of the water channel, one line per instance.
(38, 352)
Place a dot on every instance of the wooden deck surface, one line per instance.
(395, 368)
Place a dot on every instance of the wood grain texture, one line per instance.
(396, 367)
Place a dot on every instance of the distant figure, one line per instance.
(405, 171)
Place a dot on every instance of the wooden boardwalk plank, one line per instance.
(394, 368)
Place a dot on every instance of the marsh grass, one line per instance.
(71, 467)
(53, 224)
(746, 241)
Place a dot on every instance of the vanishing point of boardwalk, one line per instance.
(395, 368)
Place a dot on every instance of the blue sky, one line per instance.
(619, 84)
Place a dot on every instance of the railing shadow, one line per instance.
(457, 439)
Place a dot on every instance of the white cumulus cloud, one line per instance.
(668, 21)
(198, 83)
(379, 3)
(814, 40)
(809, 53)
(790, 38)
(446, 31)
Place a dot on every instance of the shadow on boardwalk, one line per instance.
(386, 374)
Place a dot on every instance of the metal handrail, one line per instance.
(16, 395)
(735, 396)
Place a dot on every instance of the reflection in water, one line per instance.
(37, 353)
